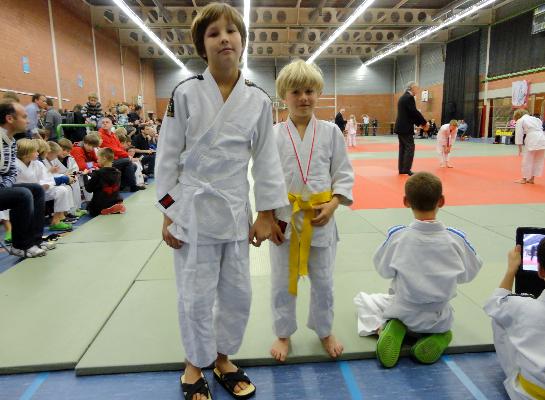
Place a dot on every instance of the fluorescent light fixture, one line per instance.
(364, 6)
(246, 18)
(130, 13)
(432, 30)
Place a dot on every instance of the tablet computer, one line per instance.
(527, 280)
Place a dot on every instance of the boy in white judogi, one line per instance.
(51, 160)
(30, 170)
(319, 177)
(215, 123)
(351, 129)
(530, 139)
(426, 261)
(518, 323)
(445, 140)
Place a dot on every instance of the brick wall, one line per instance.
(26, 29)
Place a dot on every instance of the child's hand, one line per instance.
(71, 179)
(169, 239)
(325, 212)
(277, 237)
(513, 259)
(262, 228)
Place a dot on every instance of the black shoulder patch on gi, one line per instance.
(521, 295)
(170, 108)
(251, 84)
(166, 201)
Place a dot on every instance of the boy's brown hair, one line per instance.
(92, 139)
(66, 144)
(209, 14)
(423, 191)
(119, 132)
(107, 154)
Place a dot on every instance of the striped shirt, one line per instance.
(8, 170)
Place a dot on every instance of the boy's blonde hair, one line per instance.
(26, 147)
(66, 144)
(299, 75)
(54, 147)
(210, 14)
(453, 122)
(519, 113)
(43, 147)
(120, 132)
(123, 138)
(122, 109)
(92, 96)
(106, 154)
(423, 191)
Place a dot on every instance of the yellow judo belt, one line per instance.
(537, 392)
(301, 241)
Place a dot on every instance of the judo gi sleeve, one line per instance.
(342, 175)
(269, 185)
(170, 146)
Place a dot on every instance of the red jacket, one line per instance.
(83, 156)
(110, 140)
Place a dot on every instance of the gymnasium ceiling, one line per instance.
(296, 28)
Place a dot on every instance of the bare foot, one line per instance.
(224, 365)
(191, 375)
(521, 181)
(531, 181)
(332, 346)
(280, 349)
(441, 165)
(450, 166)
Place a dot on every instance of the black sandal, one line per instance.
(199, 387)
(230, 380)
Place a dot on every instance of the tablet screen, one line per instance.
(529, 251)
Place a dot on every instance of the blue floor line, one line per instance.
(351, 384)
(474, 390)
(33, 388)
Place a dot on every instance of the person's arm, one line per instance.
(415, 115)
(269, 185)
(513, 263)
(385, 253)
(519, 134)
(91, 183)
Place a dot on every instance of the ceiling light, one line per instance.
(246, 17)
(430, 31)
(364, 6)
(130, 13)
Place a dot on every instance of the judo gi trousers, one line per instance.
(351, 138)
(532, 163)
(320, 272)
(507, 357)
(62, 197)
(214, 296)
(406, 152)
(443, 157)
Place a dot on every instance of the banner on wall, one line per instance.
(519, 93)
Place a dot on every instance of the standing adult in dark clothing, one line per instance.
(340, 121)
(407, 117)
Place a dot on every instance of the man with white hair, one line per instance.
(407, 117)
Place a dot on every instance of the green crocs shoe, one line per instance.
(61, 226)
(389, 342)
(7, 237)
(80, 213)
(429, 349)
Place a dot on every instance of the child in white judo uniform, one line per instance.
(30, 170)
(216, 122)
(518, 323)
(319, 177)
(530, 139)
(445, 140)
(351, 129)
(426, 261)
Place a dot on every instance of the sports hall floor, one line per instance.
(101, 308)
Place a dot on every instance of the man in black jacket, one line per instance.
(340, 121)
(407, 117)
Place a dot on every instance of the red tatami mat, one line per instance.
(472, 181)
(385, 147)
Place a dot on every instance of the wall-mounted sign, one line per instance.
(26, 65)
